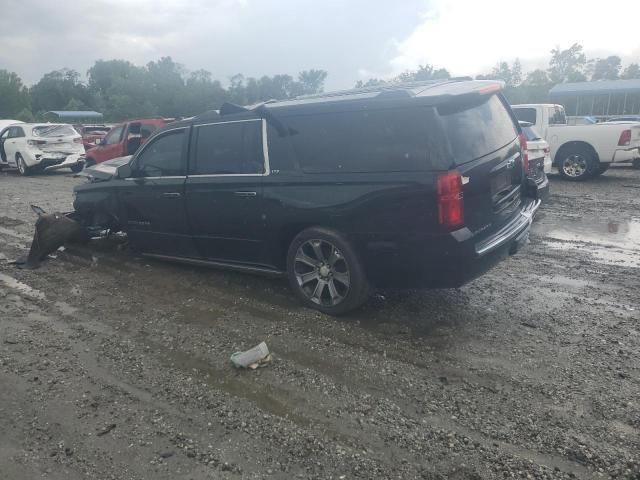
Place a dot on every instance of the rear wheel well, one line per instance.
(569, 146)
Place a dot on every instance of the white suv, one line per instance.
(45, 146)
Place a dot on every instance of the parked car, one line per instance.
(124, 139)
(405, 186)
(41, 146)
(539, 162)
(581, 151)
(91, 133)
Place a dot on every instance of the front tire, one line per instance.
(577, 164)
(23, 169)
(325, 272)
(77, 168)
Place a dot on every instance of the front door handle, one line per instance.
(245, 194)
(171, 195)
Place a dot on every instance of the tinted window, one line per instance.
(530, 133)
(228, 148)
(162, 156)
(477, 129)
(389, 140)
(557, 116)
(13, 132)
(525, 114)
(113, 136)
(281, 153)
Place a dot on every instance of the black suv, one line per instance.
(417, 185)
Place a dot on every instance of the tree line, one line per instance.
(122, 90)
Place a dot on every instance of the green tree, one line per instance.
(56, 89)
(607, 68)
(14, 96)
(567, 65)
(537, 77)
(631, 72)
(312, 81)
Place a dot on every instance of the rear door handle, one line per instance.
(171, 195)
(245, 194)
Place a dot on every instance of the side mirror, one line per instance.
(99, 141)
(124, 171)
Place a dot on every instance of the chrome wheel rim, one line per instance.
(21, 168)
(575, 165)
(322, 272)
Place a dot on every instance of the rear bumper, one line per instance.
(447, 260)
(626, 154)
(62, 162)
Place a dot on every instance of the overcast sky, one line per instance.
(351, 39)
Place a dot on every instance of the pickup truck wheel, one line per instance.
(577, 164)
(602, 167)
(325, 272)
(22, 166)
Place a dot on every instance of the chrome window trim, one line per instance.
(156, 178)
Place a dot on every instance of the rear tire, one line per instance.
(326, 273)
(77, 167)
(23, 169)
(577, 164)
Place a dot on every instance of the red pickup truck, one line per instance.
(124, 139)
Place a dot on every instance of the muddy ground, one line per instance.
(116, 367)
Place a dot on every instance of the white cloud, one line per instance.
(469, 36)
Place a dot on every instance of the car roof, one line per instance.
(429, 92)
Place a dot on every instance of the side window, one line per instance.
(282, 156)
(525, 114)
(557, 116)
(19, 132)
(228, 148)
(12, 132)
(113, 136)
(147, 129)
(162, 157)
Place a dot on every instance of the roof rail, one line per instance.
(387, 87)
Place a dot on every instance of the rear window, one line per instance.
(526, 114)
(54, 131)
(389, 140)
(477, 129)
(557, 116)
(530, 133)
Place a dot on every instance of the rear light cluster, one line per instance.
(450, 200)
(625, 138)
(524, 150)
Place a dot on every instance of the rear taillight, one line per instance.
(77, 140)
(524, 150)
(625, 138)
(450, 200)
(36, 143)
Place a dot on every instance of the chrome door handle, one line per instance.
(245, 194)
(171, 195)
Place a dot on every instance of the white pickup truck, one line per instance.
(581, 151)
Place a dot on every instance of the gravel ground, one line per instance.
(117, 367)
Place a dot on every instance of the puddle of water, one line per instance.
(609, 241)
(21, 287)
